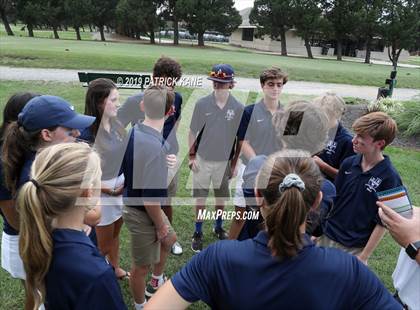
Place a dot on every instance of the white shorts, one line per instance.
(10, 258)
(111, 206)
(239, 200)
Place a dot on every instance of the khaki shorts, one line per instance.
(145, 248)
(215, 172)
(173, 182)
(326, 242)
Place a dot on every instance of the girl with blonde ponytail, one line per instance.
(280, 268)
(64, 270)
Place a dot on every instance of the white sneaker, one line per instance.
(176, 249)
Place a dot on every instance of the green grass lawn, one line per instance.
(70, 34)
(70, 54)
(382, 262)
(414, 60)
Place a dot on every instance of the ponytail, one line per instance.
(290, 182)
(17, 143)
(283, 223)
(35, 246)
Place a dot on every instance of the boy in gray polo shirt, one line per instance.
(212, 139)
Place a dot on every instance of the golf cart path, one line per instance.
(250, 84)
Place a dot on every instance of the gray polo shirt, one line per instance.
(216, 128)
(257, 128)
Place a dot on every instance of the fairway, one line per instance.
(72, 54)
(382, 262)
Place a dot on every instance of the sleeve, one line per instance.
(104, 293)
(197, 123)
(340, 178)
(130, 111)
(178, 104)
(195, 280)
(243, 125)
(369, 292)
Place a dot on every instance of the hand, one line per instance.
(363, 259)
(162, 232)
(119, 190)
(171, 161)
(192, 164)
(318, 161)
(404, 231)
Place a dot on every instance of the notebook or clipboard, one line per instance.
(397, 199)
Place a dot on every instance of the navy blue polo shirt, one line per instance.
(244, 275)
(79, 277)
(257, 128)
(130, 112)
(5, 194)
(216, 128)
(339, 148)
(355, 213)
(110, 147)
(145, 167)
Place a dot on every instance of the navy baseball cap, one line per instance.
(50, 111)
(222, 73)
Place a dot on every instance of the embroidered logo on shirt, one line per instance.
(259, 120)
(373, 184)
(230, 114)
(347, 172)
(207, 114)
(330, 148)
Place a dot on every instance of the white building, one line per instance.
(244, 36)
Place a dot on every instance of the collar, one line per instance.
(264, 108)
(66, 235)
(228, 104)
(377, 169)
(262, 239)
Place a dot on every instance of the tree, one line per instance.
(203, 15)
(136, 17)
(400, 26)
(77, 13)
(273, 17)
(103, 14)
(5, 7)
(342, 17)
(30, 12)
(369, 23)
(170, 13)
(307, 20)
(54, 14)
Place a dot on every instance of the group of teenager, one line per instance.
(70, 181)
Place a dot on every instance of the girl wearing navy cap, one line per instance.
(44, 120)
(107, 134)
(280, 268)
(10, 259)
(64, 270)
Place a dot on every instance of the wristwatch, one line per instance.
(413, 249)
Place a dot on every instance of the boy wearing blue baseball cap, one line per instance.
(212, 140)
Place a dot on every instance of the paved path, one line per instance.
(292, 87)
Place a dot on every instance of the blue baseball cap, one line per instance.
(50, 111)
(222, 73)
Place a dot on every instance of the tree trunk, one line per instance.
(176, 31)
(152, 37)
(367, 56)
(101, 31)
(83, 28)
(66, 28)
(6, 23)
(55, 32)
(201, 39)
(339, 50)
(30, 30)
(90, 28)
(308, 48)
(77, 29)
(137, 35)
(283, 42)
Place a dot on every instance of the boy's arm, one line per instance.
(247, 150)
(374, 239)
(327, 169)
